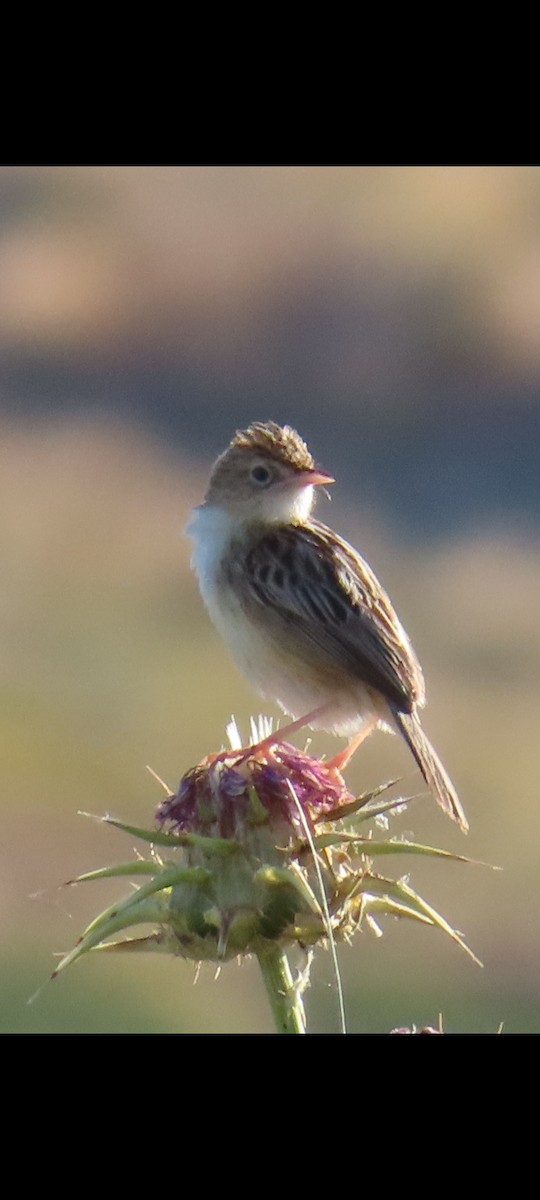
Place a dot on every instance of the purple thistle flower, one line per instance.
(215, 797)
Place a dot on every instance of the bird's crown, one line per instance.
(281, 442)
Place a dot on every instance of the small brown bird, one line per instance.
(303, 614)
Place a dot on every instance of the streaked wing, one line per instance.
(314, 586)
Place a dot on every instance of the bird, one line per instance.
(301, 611)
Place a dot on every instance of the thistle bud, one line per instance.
(247, 817)
(258, 852)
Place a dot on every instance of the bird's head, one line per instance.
(266, 474)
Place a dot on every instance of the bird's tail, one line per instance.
(431, 767)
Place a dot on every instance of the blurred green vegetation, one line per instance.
(109, 663)
(392, 314)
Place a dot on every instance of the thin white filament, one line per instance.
(324, 905)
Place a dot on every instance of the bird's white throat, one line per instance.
(212, 527)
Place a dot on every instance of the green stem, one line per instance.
(284, 996)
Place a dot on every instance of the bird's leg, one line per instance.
(300, 723)
(342, 760)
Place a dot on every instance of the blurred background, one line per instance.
(392, 315)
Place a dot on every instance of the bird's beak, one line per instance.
(312, 478)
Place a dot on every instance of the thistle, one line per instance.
(261, 851)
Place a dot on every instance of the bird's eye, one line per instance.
(261, 475)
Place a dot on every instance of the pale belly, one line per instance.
(280, 674)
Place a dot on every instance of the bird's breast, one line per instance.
(269, 653)
(214, 534)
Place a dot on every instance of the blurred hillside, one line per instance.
(393, 315)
